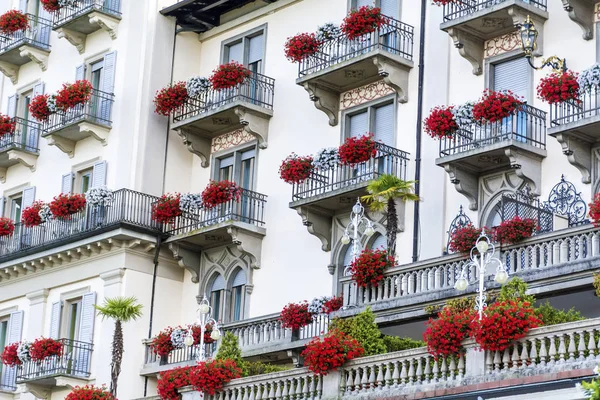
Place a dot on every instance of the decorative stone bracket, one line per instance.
(395, 75)
(77, 39)
(107, 23)
(196, 143)
(255, 124)
(325, 100)
(11, 71)
(318, 224)
(248, 243)
(188, 259)
(582, 13)
(86, 129)
(578, 152)
(40, 57)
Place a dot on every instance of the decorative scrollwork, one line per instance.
(523, 203)
(566, 201)
(364, 94)
(460, 221)
(231, 139)
(502, 44)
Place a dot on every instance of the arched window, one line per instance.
(494, 218)
(238, 295)
(380, 242)
(217, 290)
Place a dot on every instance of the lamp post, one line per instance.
(204, 318)
(482, 255)
(529, 35)
(357, 219)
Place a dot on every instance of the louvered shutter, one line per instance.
(390, 8)
(23, 5)
(255, 52)
(86, 333)
(45, 26)
(380, 242)
(240, 279)
(218, 284)
(361, 3)
(11, 106)
(236, 53)
(80, 72)
(28, 196)
(513, 75)
(384, 124)
(359, 124)
(55, 320)
(15, 328)
(67, 183)
(107, 86)
(2, 201)
(33, 134)
(99, 174)
(348, 255)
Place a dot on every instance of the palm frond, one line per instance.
(387, 187)
(120, 309)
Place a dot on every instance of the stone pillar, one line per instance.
(36, 314)
(474, 359)
(331, 385)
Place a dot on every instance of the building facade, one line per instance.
(281, 243)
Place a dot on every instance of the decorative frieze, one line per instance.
(231, 139)
(364, 94)
(501, 44)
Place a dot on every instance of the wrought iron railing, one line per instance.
(524, 205)
(8, 376)
(387, 160)
(37, 34)
(75, 360)
(179, 355)
(249, 208)
(572, 110)
(462, 8)
(68, 13)
(129, 209)
(97, 109)
(25, 136)
(526, 125)
(257, 89)
(394, 37)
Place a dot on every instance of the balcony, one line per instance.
(576, 126)
(327, 192)
(19, 147)
(69, 369)
(184, 356)
(240, 223)
(75, 22)
(248, 106)
(22, 47)
(342, 64)
(64, 129)
(130, 209)
(517, 142)
(472, 22)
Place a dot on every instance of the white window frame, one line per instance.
(370, 107)
(245, 37)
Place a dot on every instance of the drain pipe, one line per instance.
(416, 232)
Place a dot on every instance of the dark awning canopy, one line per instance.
(201, 15)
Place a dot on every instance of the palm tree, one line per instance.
(382, 196)
(121, 309)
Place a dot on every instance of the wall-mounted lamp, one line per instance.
(529, 35)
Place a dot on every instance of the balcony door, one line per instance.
(238, 167)
(514, 75)
(248, 51)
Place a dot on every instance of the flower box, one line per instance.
(90, 392)
(7, 125)
(441, 123)
(559, 87)
(43, 348)
(170, 98)
(362, 22)
(67, 204)
(463, 239)
(217, 193)
(73, 94)
(13, 21)
(495, 106)
(166, 209)
(324, 355)
(515, 230)
(303, 45)
(356, 150)
(368, 268)
(229, 75)
(7, 227)
(31, 215)
(210, 377)
(295, 316)
(296, 169)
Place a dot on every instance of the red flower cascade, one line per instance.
(90, 392)
(66, 204)
(369, 267)
(9, 355)
(362, 21)
(445, 334)
(13, 21)
(333, 304)
(463, 239)
(229, 75)
(331, 352)
(170, 98)
(514, 230)
(50, 5)
(43, 348)
(161, 344)
(209, 377)
(73, 94)
(31, 215)
(295, 316)
(7, 125)
(298, 47)
(169, 382)
(441, 123)
(7, 227)
(38, 107)
(595, 210)
(559, 87)
(495, 106)
(166, 209)
(356, 150)
(221, 192)
(295, 168)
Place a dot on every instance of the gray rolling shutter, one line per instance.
(107, 85)
(15, 328)
(45, 27)
(67, 183)
(240, 279)
(390, 8)
(86, 334)
(80, 72)
(23, 6)
(99, 174)
(380, 242)
(255, 52)
(359, 124)
(33, 134)
(384, 124)
(218, 284)
(513, 75)
(28, 197)
(55, 320)
(361, 3)
(2, 201)
(236, 53)
(11, 106)
(348, 255)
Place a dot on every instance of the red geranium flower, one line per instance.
(66, 204)
(369, 267)
(362, 21)
(445, 334)
(9, 355)
(161, 344)
(221, 192)
(443, 2)
(13, 21)
(559, 87)
(50, 5)
(43, 348)
(229, 75)
(74, 94)
(90, 392)
(31, 215)
(441, 123)
(170, 98)
(295, 316)
(463, 239)
(209, 377)
(595, 210)
(301, 46)
(7, 125)
(495, 106)
(169, 382)
(38, 107)
(166, 209)
(331, 352)
(356, 150)
(514, 230)
(7, 227)
(296, 169)
(333, 304)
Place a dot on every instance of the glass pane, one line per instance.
(3, 338)
(25, 120)
(73, 322)
(247, 174)
(237, 303)
(225, 174)
(85, 182)
(16, 209)
(215, 301)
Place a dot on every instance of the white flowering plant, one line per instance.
(64, 3)
(317, 305)
(45, 213)
(591, 389)
(23, 351)
(190, 202)
(178, 337)
(328, 158)
(463, 114)
(99, 196)
(328, 31)
(51, 102)
(589, 79)
(196, 85)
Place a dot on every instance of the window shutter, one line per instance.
(67, 183)
(15, 328)
(218, 284)
(80, 72)
(361, 3)
(390, 8)
(86, 333)
(107, 85)
(359, 124)
(348, 255)
(99, 174)
(34, 131)
(255, 53)
(226, 162)
(46, 28)
(2, 200)
(236, 53)
(112, 5)
(11, 108)
(240, 279)
(55, 320)
(384, 124)
(23, 5)
(513, 75)
(380, 242)
(28, 196)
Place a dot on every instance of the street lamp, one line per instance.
(204, 318)
(357, 219)
(482, 255)
(529, 35)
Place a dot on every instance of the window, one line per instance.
(84, 180)
(247, 50)
(72, 311)
(217, 297)
(3, 338)
(391, 8)
(15, 207)
(238, 167)
(514, 75)
(379, 242)
(238, 289)
(378, 119)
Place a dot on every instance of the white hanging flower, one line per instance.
(190, 202)
(51, 102)
(23, 351)
(589, 79)
(463, 114)
(328, 158)
(196, 85)
(64, 3)
(45, 213)
(178, 337)
(328, 31)
(99, 196)
(317, 304)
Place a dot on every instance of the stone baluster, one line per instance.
(452, 369)
(591, 345)
(497, 361)
(419, 373)
(533, 352)
(364, 382)
(372, 377)
(294, 388)
(260, 391)
(403, 373)
(595, 245)
(435, 371)
(411, 371)
(514, 357)
(543, 352)
(313, 387)
(489, 362)
(396, 374)
(552, 351)
(561, 349)
(571, 348)
(461, 365)
(387, 378)
(379, 380)
(505, 359)
(444, 369)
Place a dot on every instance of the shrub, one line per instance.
(209, 377)
(331, 352)
(169, 382)
(363, 328)
(596, 284)
(229, 349)
(515, 289)
(395, 343)
(259, 368)
(552, 316)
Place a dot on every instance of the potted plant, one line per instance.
(356, 150)
(51, 5)
(559, 87)
(31, 217)
(326, 159)
(229, 75)
(362, 22)
(43, 348)
(463, 239)
(99, 198)
(303, 45)
(167, 208)
(196, 85)
(13, 21)
(190, 202)
(162, 343)
(10, 355)
(7, 125)
(170, 98)
(515, 230)
(324, 355)
(90, 392)
(38, 107)
(217, 193)
(295, 316)
(7, 227)
(495, 106)
(66, 205)
(441, 122)
(368, 268)
(73, 94)
(295, 168)
(210, 376)
(170, 381)
(325, 305)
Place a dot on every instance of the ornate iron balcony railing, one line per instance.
(572, 111)
(394, 37)
(97, 110)
(37, 34)
(68, 13)
(25, 136)
(462, 8)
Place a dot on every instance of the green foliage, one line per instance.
(259, 368)
(597, 284)
(387, 187)
(461, 304)
(395, 343)
(229, 348)
(432, 309)
(363, 328)
(592, 389)
(122, 309)
(552, 316)
(515, 288)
